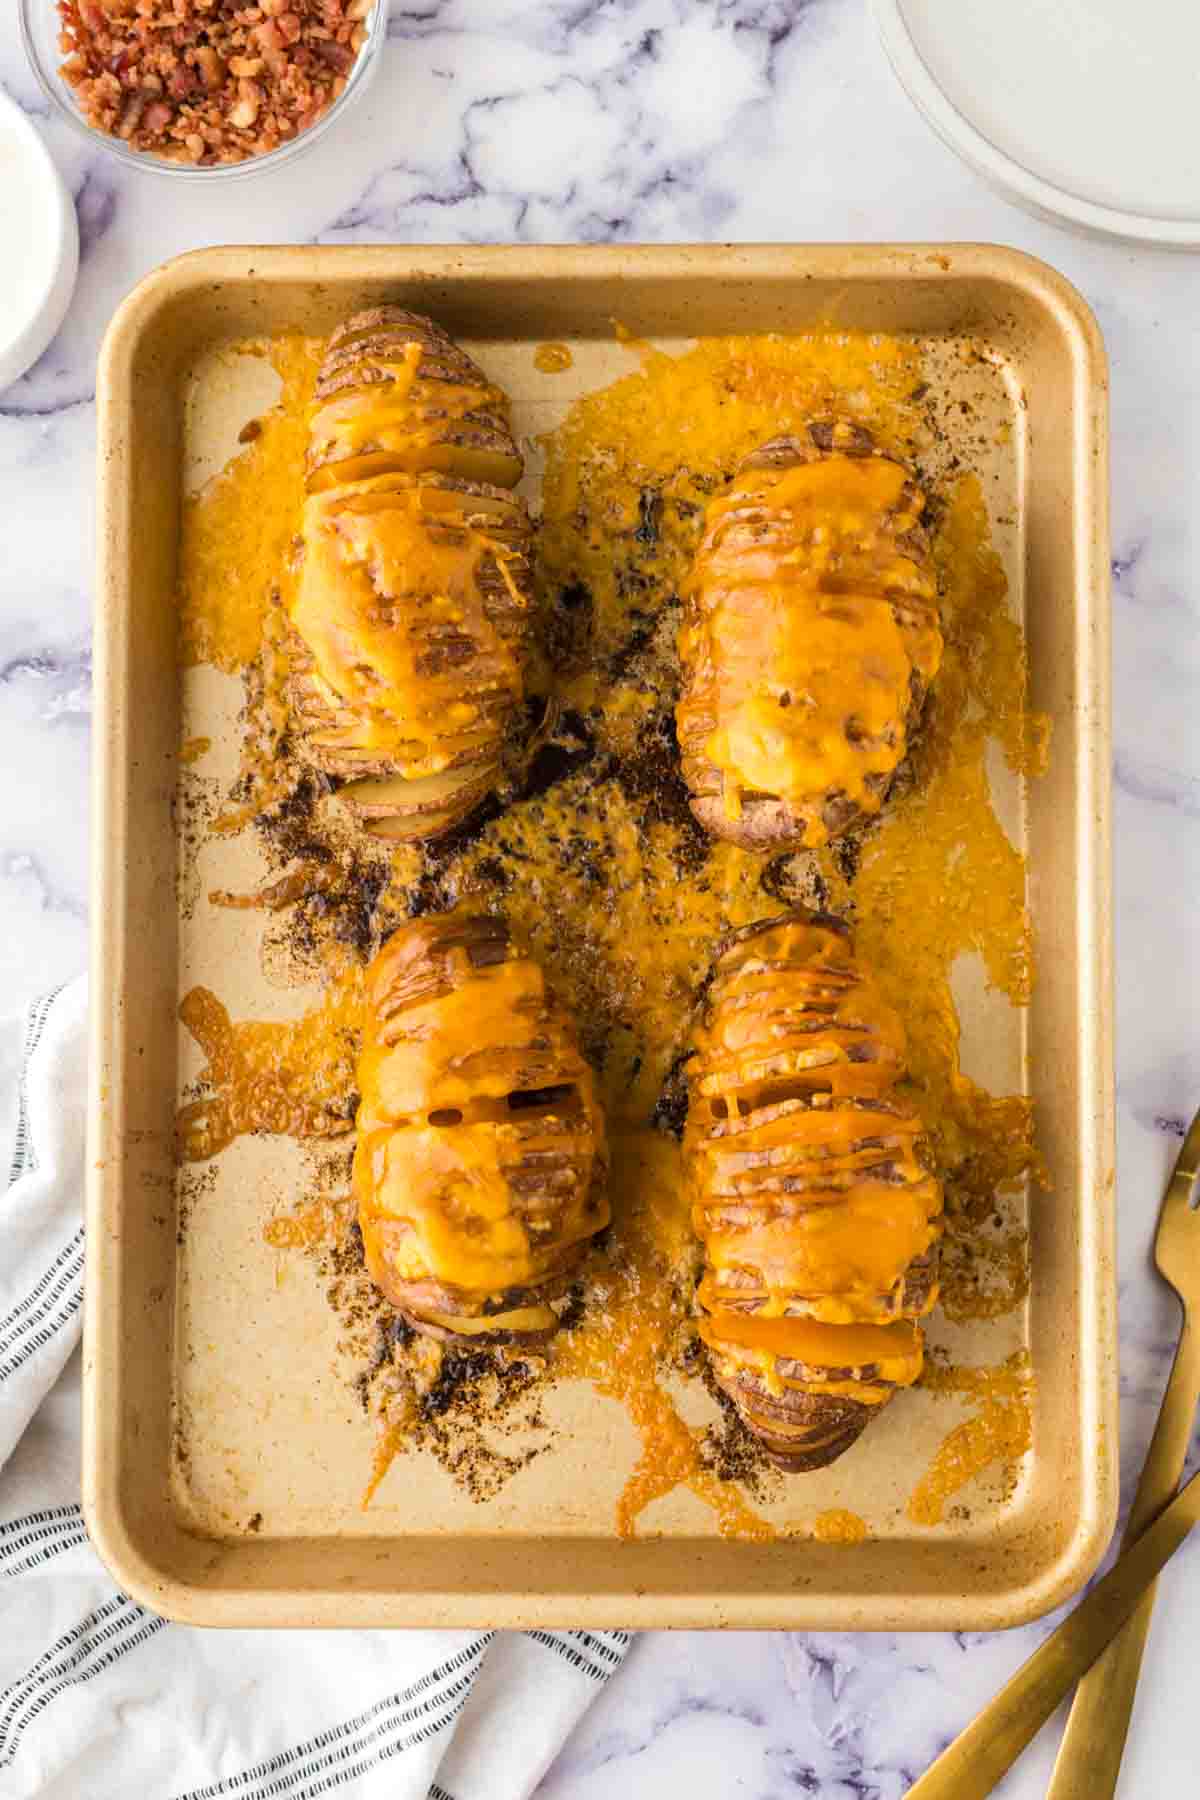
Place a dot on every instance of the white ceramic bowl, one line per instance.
(39, 242)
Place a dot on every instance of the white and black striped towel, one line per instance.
(102, 1700)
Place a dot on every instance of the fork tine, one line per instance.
(1187, 1167)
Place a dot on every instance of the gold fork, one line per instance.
(1089, 1757)
(1107, 1617)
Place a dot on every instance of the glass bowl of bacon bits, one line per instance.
(203, 88)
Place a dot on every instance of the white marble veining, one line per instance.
(634, 120)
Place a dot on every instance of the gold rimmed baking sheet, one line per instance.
(201, 1332)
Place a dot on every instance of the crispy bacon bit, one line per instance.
(212, 69)
(271, 42)
(209, 81)
(182, 82)
(338, 56)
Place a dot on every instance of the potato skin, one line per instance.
(811, 1189)
(480, 1161)
(763, 824)
(809, 642)
(410, 621)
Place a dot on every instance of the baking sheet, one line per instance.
(238, 1498)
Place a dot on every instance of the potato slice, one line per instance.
(400, 810)
(473, 457)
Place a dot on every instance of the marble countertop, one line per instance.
(625, 121)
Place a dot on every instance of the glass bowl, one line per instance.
(40, 31)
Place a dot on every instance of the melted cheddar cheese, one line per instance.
(607, 888)
(408, 619)
(391, 415)
(552, 359)
(391, 569)
(236, 534)
(479, 1162)
(808, 1183)
(812, 613)
(293, 1078)
(839, 1346)
(629, 1340)
(861, 1244)
(806, 1167)
(837, 1526)
(998, 1431)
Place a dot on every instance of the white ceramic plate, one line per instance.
(39, 244)
(1083, 110)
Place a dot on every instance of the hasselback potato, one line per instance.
(479, 1167)
(409, 624)
(809, 642)
(810, 1190)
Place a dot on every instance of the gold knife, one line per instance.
(980, 1755)
(1089, 1757)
